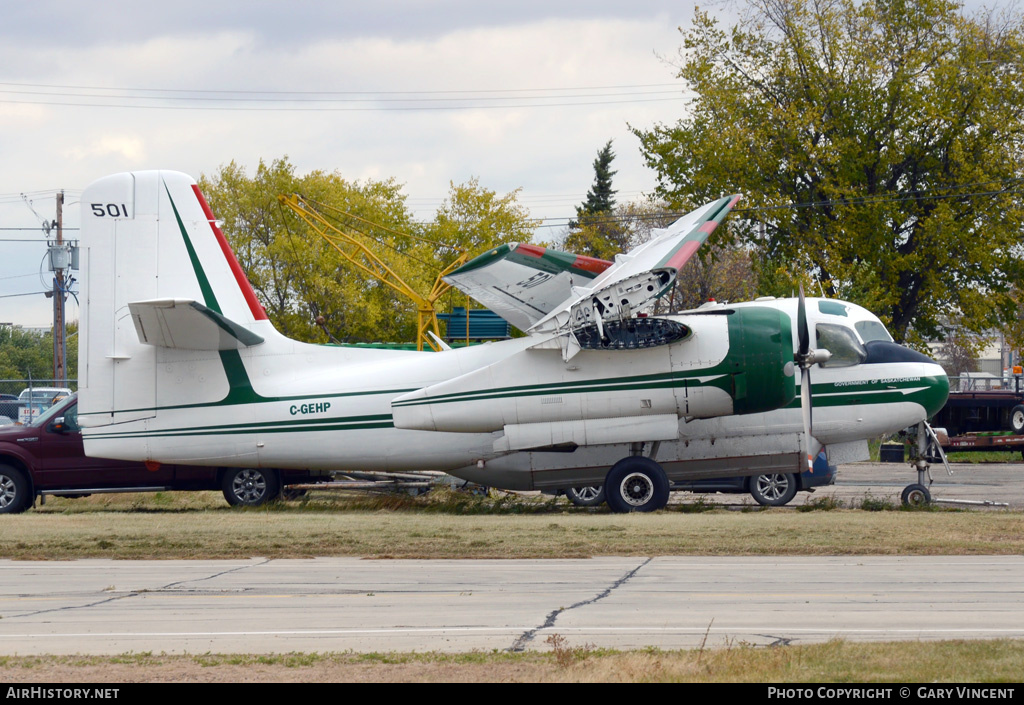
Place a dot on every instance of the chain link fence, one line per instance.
(22, 400)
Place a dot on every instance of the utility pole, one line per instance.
(60, 373)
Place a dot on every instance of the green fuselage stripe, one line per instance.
(204, 284)
(353, 423)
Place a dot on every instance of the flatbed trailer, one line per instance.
(982, 442)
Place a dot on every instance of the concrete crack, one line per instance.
(170, 586)
(134, 593)
(526, 637)
(115, 598)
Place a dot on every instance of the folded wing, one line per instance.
(639, 277)
(542, 290)
(523, 283)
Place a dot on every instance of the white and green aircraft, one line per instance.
(179, 364)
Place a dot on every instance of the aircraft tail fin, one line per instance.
(158, 276)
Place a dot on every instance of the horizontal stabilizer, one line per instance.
(188, 325)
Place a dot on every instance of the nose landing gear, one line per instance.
(924, 451)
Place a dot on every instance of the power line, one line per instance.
(912, 196)
(335, 109)
(374, 92)
(30, 293)
(370, 99)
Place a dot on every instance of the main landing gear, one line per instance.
(636, 483)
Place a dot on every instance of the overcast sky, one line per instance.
(426, 92)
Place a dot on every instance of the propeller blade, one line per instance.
(801, 324)
(805, 409)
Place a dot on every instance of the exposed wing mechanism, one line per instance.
(639, 277)
(187, 325)
(589, 302)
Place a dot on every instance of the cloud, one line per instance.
(500, 64)
(128, 149)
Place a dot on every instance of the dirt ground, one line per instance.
(191, 672)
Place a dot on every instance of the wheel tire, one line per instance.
(14, 491)
(1017, 419)
(915, 496)
(590, 496)
(250, 487)
(773, 489)
(636, 484)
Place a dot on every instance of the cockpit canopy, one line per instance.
(842, 343)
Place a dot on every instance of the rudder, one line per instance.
(149, 240)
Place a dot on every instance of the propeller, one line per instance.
(806, 358)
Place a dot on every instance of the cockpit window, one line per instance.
(842, 343)
(872, 330)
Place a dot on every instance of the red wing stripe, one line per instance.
(683, 254)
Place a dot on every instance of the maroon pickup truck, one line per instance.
(46, 457)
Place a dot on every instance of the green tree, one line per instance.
(476, 218)
(596, 231)
(959, 351)
(310, 291)
(25, 354)
(601, 196)
(878, 146)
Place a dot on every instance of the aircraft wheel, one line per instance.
(14, 493)
(590, 496)
(915, 496)
(1017, 419)
(250, 487)
(636, 484)
(773, 489)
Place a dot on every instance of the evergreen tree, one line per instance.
(601, 196)
(595, 232)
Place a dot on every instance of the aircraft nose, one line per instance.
(934, 385)
(938, 390)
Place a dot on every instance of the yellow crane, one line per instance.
(356, 252)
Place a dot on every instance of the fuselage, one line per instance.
(294, 405)
(179, 363)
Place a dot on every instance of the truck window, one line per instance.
(55, 411)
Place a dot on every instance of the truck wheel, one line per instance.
(1017, 419)
(14, 494)
(636, 484)
(586, 496)
(773, 489)
(250, 487)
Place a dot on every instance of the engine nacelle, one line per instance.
(717, 364)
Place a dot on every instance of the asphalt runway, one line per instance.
(340, 604)
(972, 485)
(980, 486)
